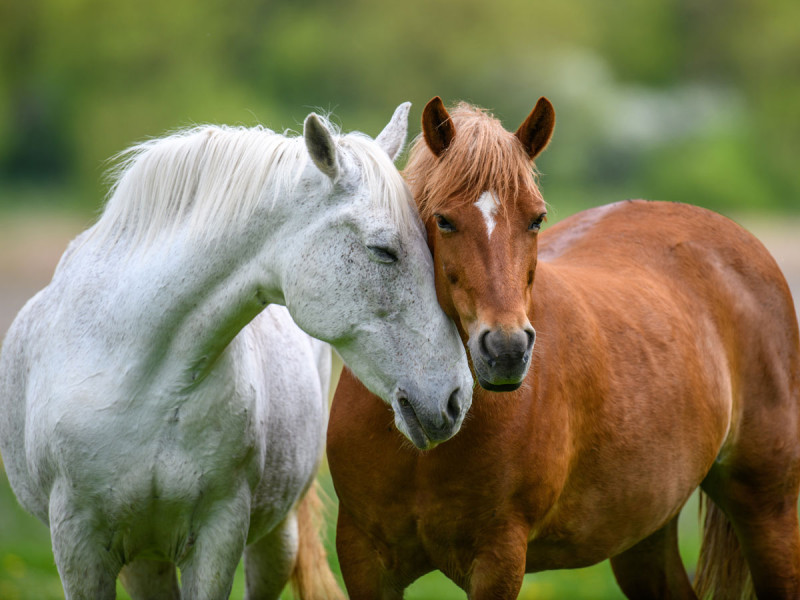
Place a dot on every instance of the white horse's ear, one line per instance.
(320, 145)
(393, 137)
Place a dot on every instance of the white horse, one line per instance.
(153, 414)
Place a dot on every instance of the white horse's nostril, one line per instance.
(453, 409)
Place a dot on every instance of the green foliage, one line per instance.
(82, 79)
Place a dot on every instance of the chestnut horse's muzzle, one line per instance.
(501, 357)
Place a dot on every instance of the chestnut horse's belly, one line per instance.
(601, 527)
(635, 465)
(646, 438)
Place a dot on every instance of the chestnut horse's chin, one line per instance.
(498, 387)
(501, 376)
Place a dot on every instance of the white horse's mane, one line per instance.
(211, 178)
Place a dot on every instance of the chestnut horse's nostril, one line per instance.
(482, 343)
(531, 332)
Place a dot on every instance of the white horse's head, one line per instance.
(358, 274)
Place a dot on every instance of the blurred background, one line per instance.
(688, 100)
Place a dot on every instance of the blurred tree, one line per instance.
(34, 143)
(646, 93)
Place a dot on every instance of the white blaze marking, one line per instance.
(488, 207)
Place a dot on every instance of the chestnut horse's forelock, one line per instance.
(482, 157)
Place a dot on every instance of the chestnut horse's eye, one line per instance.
(536, 223)
(443, 224)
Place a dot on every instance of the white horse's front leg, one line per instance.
(208, 569)
(270, 560)
(85, 561)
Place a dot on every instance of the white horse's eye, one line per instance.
(382, 254)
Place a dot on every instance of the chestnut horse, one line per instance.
(666, 358)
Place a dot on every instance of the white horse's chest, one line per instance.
(152, 459)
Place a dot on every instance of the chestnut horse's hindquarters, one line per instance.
(751, 537)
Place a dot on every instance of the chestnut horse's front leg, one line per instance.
(499, 566)
(363, 570)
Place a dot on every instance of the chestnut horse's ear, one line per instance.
(537, 129)
(437, 126)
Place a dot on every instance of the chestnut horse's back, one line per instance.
(719, 268)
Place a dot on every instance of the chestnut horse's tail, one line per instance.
(722, 572)
(312, 578)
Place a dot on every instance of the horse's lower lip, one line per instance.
(413, 427)
(498, 387)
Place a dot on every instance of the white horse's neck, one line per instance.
(213, 294)
(187, 298)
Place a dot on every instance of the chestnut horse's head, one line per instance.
(475, 187)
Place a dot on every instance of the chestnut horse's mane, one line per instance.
(482, 157)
